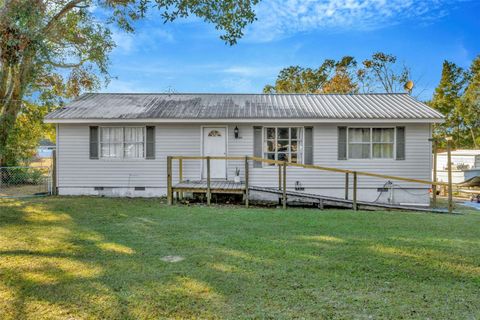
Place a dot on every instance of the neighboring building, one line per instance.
(117, 142)
(45, 149)
(465, 165)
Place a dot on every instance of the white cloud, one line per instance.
(123, 41)
(152, 67)
(277, 18)
(251, 71)
(149, 38)
(160, 34)
(182, 69)
(238, 85)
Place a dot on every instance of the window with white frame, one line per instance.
(371, 143)
(283, 143)
(122, 142)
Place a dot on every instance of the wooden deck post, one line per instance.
(284, 198)
(346, 186)
(320, 204)
(434, 186)
(180, 176)
(209, 190)
(354, 191)
(246, 182)
(279, 182)
(449, 164)
(54, 173)
(169, 181)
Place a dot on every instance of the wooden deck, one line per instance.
(216, 186)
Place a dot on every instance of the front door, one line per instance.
(215, 145)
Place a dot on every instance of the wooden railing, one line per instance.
(282, 176)
(208, 172)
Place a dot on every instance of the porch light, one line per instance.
(236, 131)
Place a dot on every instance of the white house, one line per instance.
(117, 144)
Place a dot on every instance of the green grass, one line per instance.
(76, 258)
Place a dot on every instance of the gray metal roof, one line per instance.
(118, 106)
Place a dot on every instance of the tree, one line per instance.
(28, 130)
(380, 73)
(343, 80)
(51, 50)
(331, 75)
(447, 100)
(296, 79)
(469, 110)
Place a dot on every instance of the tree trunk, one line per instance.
(12, 102)
(474, 138)
(7, 122)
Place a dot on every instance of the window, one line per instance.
(359, 143)
(122, 142)
(383, 143)
(111, 142)
(133, 142)
(284, 144)
(214, 133)
(367, 143)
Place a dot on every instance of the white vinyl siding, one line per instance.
(76, 169)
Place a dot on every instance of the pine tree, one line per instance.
(447, 100)
(470, 108)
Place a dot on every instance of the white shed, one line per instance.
(465, 165)
(461, 159)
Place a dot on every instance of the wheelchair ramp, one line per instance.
(344, 203)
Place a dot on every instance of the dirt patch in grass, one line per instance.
(22, 190)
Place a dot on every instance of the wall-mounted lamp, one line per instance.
(235, 132)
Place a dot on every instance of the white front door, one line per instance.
(215, 144)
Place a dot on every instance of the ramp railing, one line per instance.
(282, 176)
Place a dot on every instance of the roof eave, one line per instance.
(248, 120)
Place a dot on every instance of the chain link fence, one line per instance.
(16, 182)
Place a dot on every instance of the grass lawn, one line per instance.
(79, 258)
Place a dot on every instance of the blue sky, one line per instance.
(188, 56)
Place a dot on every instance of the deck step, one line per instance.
(344, 203)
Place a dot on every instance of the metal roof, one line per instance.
(126, 106)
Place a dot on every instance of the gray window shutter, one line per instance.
(308, 145)
(257, 145)
(400, 143)
(150, 143)
(342, 143)
(93, 142)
